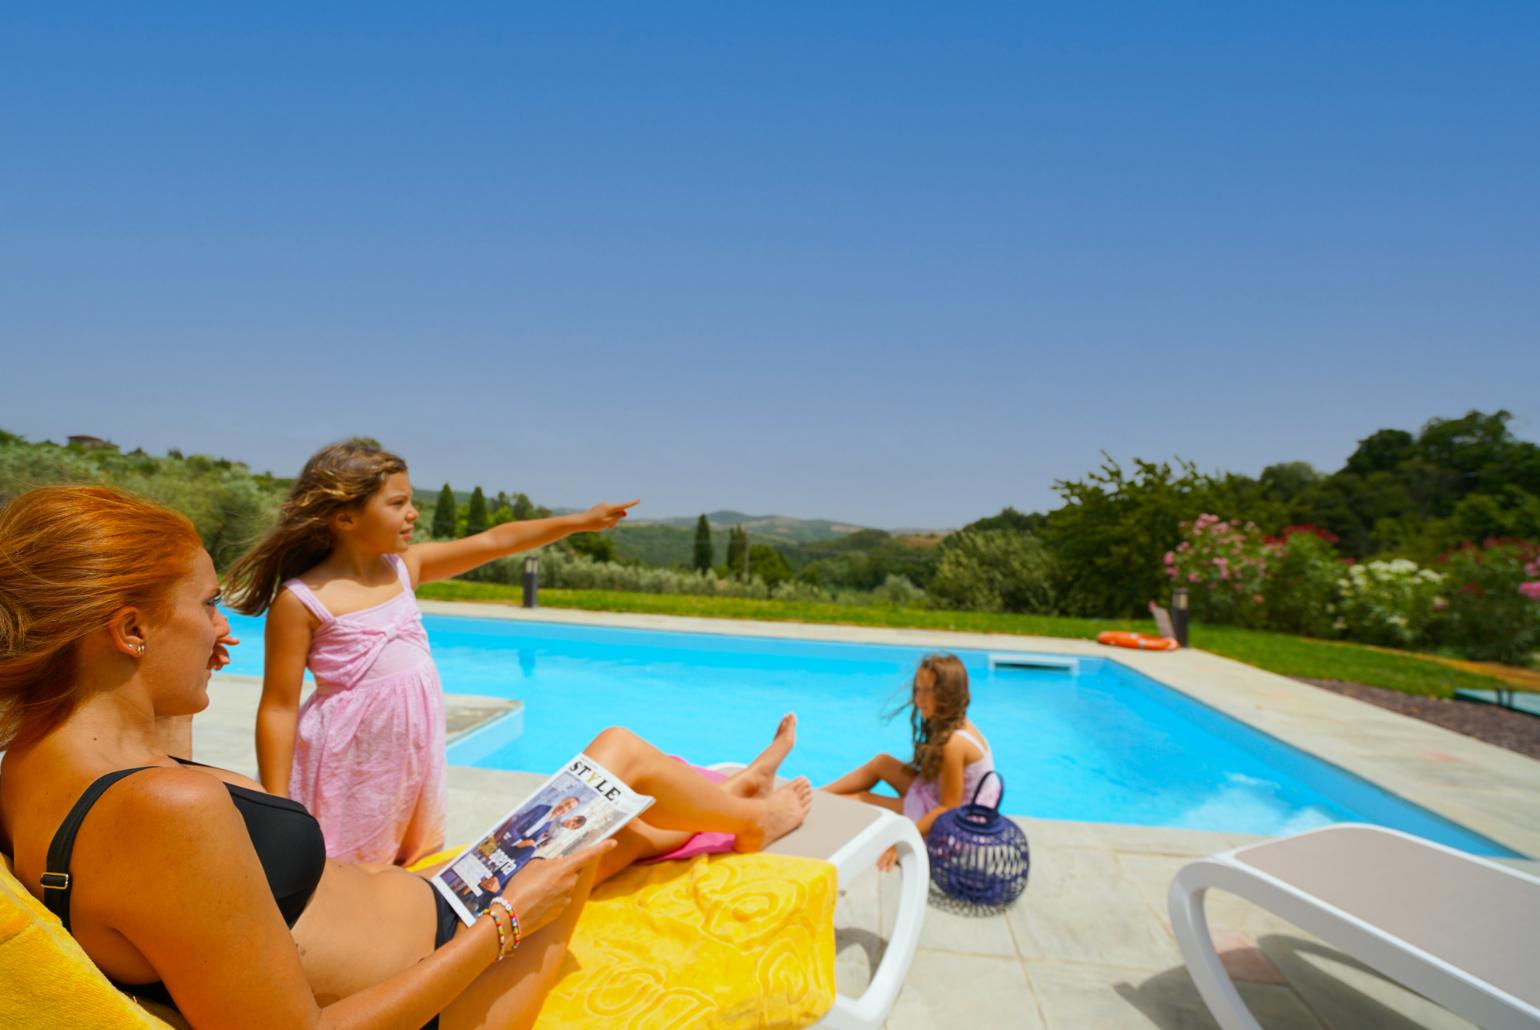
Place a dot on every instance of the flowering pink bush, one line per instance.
(1224, 565)
(1494, 610)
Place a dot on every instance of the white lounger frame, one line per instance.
(1455, 989)
(853, 857)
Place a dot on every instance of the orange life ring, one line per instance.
(1137, 641)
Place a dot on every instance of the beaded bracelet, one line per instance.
(513, 917)
(502, 940)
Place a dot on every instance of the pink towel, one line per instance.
(701, 843)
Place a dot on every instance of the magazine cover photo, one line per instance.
(581, 805)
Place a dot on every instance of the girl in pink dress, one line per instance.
(336, 575)
(951, 756)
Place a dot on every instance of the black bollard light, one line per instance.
(531, 579)
(1179, 614)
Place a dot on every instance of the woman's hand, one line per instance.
(603, 516)
(543, 889)
(888, 859)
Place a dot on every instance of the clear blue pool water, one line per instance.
(1102, 745)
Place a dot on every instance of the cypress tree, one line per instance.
(476, 513)
(444, 514)
(705, 553)
(737, 549)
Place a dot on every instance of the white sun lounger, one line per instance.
(1457, 929)
(852, 835)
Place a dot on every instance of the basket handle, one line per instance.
(985, 779)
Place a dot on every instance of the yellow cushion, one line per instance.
(49, 981)
(720, 941)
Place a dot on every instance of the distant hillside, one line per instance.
(765, 528)
(671, 541)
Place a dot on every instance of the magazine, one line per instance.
(581, 805)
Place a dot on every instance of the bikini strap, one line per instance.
(308, 598)
(56, 881)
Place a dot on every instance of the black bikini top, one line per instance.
(286, 837)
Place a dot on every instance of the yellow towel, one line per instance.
(721, 941)
(49, 981)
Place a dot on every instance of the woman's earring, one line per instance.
(141, 650)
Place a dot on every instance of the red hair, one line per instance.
(71, 556)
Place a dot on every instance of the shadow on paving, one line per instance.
(1314, 997)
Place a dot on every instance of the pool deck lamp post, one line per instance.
(531, 580)
(1179, 615)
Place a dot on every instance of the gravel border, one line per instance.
(1494, 724)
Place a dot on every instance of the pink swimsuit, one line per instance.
(369, 754)
(924, 795)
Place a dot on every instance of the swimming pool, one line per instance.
(1100, 743)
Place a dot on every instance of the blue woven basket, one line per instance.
(977, 855)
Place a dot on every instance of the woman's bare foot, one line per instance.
(783, 812)
(757, 779)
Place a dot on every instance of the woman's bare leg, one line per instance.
(882, 769)
(638, 841)
(684, 800)
(510, 993)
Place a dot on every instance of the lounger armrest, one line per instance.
(872, 1007)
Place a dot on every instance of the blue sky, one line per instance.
(896, 264)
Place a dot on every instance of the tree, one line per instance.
(444, 514)
(768, 564)
(705, 553)
(596, 546)
(1009, 518)
(1380, 451)
(995, 570)
(737, 549)
(522, 508)
(476, 513)
(1110, 536)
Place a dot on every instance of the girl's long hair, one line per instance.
(70, 557)
(340, 476)
(950, 700)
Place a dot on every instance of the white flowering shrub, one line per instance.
(1387, 602)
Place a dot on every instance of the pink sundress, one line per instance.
(369, 751)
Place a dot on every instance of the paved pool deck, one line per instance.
(1089, 944)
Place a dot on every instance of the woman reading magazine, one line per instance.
(191, 884)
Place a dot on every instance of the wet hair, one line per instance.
(949, 709)
(70, 557)
(341, 476)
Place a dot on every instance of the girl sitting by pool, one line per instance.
(951, 756)
(365, 754)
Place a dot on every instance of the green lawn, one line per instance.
(1285, 655)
